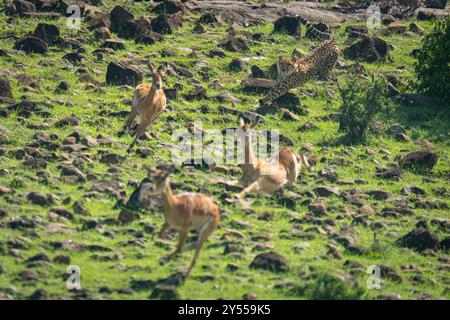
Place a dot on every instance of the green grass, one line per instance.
(142, 263)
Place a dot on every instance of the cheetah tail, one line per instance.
(316, 32)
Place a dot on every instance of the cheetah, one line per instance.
(319, 63)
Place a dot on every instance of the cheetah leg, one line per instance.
(325, 73)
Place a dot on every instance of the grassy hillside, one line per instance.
(125, 254)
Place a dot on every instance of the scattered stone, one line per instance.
(271, 261)
(5, 88)
(416, 28)
(31, 45)
(419, 239)
(166, 24)
(370, 49)
(47, 32)
(436, 4)
(234, 44)
(165, 292)
(413, 190)
(324, 191)
(126, 216)
(418, 160)
(288, 24)
(119, 73)
(378, 194)
(39, 198)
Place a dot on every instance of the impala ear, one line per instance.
(255, 122)
(149, 170)
(151, 67)
(240, 122)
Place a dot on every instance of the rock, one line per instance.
(390, 273)
(345, 240)
(67, 121)
(271, 261)
(237, 64)
(358, 29)
(378, 194)
(5, 88)
(113, 44)
(71, 170)
(62, 212)
(126, 216)
(79, 208)
(317, 208)
(61, 259)
(36, 163)
(31, 45)
(234, 44)
(396, 129)
(39, 294)
(328, 174)
(62, 86)
(169, 7)
(143, 197)
(419, 239)
(258, 84)
(91, 225)
(22, 6)
(257, 72)
(233, 248)
(165, 292)
(436, 4)
(166, 24)
(73, 57)
(288, 24)
(199, 28)
(39, 198)
(418, 160)
(119, 73)
(324, 191)
(227, 97)
(397, 27)
(28, 276)
(119, 17)
(389, 173)
(444, 244)
(99, 20)
(416, 28)
(413, 190)
(47, 32)
(149, 37)
(110, 158)
(424, 143)
(370, 49)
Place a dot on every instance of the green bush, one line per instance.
(363, 102)
(433, 62)
(325, 286)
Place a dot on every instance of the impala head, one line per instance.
(245, 126)
(157, 75)
(159, 178)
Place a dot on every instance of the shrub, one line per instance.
(433, 62)
(363, 101)
(325, 286)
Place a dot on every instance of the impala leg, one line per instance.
(179, 249)
(252, 187)
(204, 234)
(139, 131)
(130, 119)
(163, 230)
